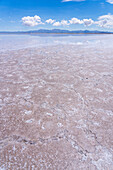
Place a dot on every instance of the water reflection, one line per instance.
(13, 42)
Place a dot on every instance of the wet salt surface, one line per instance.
(15, 42)
(56, 103)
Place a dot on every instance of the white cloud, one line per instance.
(64, 22)
(72, 0)
(50, 21)
(75, 21)
(105, 21)
(57, 24)
(109, 1)
(31, 21)
(88, 22)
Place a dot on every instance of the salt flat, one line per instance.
(56, 103)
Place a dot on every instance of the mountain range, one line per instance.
(56, 31)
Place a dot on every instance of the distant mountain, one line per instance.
(56, 31)
(50, 31)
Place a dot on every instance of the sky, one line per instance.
(21, 15)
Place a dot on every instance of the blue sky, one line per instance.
(16, 15)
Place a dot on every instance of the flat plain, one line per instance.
(56, 106)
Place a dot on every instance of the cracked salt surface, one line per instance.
(28, 112)
(56, 103)
(29, 121)
(59, 124)
(49, 114)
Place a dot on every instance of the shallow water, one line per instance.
(14, 42)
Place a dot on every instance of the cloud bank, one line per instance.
(109, 1)
(72, 0)
(57, 24)
(50, 21)
(31, 21)
(75, 21)
(105, 21)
